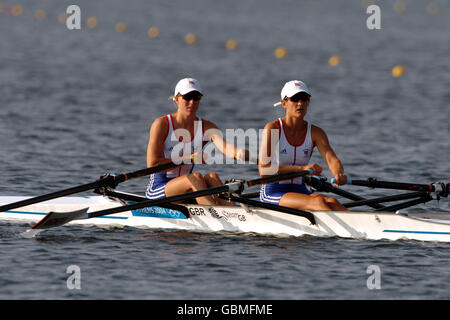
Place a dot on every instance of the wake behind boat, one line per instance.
(114, 208)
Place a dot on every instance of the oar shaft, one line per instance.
(143, 172)
(407, 204)
(279, 177)
(372, 183)
(104, 181)
(355, 197)
(323, 186)
(50, 196)
(398, 197)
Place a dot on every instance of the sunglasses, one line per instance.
(192, 96)
(300, 97)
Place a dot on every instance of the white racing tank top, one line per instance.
(290, 155)
(173, 147)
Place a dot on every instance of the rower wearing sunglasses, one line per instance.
(293, 140)
(180, 136)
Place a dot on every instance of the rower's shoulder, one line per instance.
(208, 124)
(272, 125)
(316, 129)
(318, 134)
(160, 123)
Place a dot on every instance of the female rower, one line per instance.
(180, 136)
(289, 148)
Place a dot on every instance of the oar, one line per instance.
(323, 186)
(426, 198)
(104, 181)
(398, 197)
(439, 188)
(54, 219)
(279, 177)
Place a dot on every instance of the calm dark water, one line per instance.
(76, 104)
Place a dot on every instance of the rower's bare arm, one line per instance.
(320, 139)
(229, 150)
(155, 147)
(265, 166)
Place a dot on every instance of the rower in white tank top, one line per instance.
(288, 155)
(164, 146)
(173, 148)
(294, 155)
(295, 99)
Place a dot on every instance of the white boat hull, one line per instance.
(356, 225)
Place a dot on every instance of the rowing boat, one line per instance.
(115, 208)
(242, 219)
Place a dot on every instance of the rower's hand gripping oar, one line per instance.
(54, 219)
(106, 180)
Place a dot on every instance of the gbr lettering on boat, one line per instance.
(197, 211)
